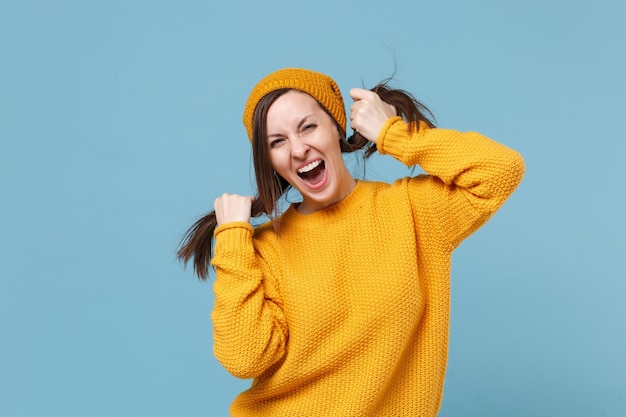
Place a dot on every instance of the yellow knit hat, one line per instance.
(321, 87)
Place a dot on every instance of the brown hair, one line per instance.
(197, 242)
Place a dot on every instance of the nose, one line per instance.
(299, 149)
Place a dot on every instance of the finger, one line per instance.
(232, 208)
(360, 93)
(249, 200)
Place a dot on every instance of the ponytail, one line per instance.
(197, 242)
(407, 107)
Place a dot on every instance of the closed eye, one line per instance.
(276, 142)
(309, 126)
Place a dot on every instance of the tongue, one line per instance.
(315, 175)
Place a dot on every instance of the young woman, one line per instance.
(340, 305)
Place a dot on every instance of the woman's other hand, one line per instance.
(369, 113)
(232, 208)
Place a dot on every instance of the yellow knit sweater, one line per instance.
(345, 312)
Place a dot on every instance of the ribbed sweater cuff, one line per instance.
(233, 235)
(392, 137)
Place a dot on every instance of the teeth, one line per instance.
(309, 167)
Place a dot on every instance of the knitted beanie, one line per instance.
(321, 87)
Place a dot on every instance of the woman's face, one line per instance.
(303, 144)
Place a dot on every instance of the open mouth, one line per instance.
(313, 173)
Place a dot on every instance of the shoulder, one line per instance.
(400, 187)
(264, 231)
(373, 187)
(389, 197)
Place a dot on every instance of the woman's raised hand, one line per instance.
(232, 208)
(369, 113)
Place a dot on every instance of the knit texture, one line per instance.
(321, 87)
(345, 312)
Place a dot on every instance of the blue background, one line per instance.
(120, 122)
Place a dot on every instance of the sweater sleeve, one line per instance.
(469, 175)
(249, 327)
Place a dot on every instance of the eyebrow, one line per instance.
(303, 121)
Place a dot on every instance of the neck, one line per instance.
(346, 184)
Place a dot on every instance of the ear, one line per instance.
(342, 136)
